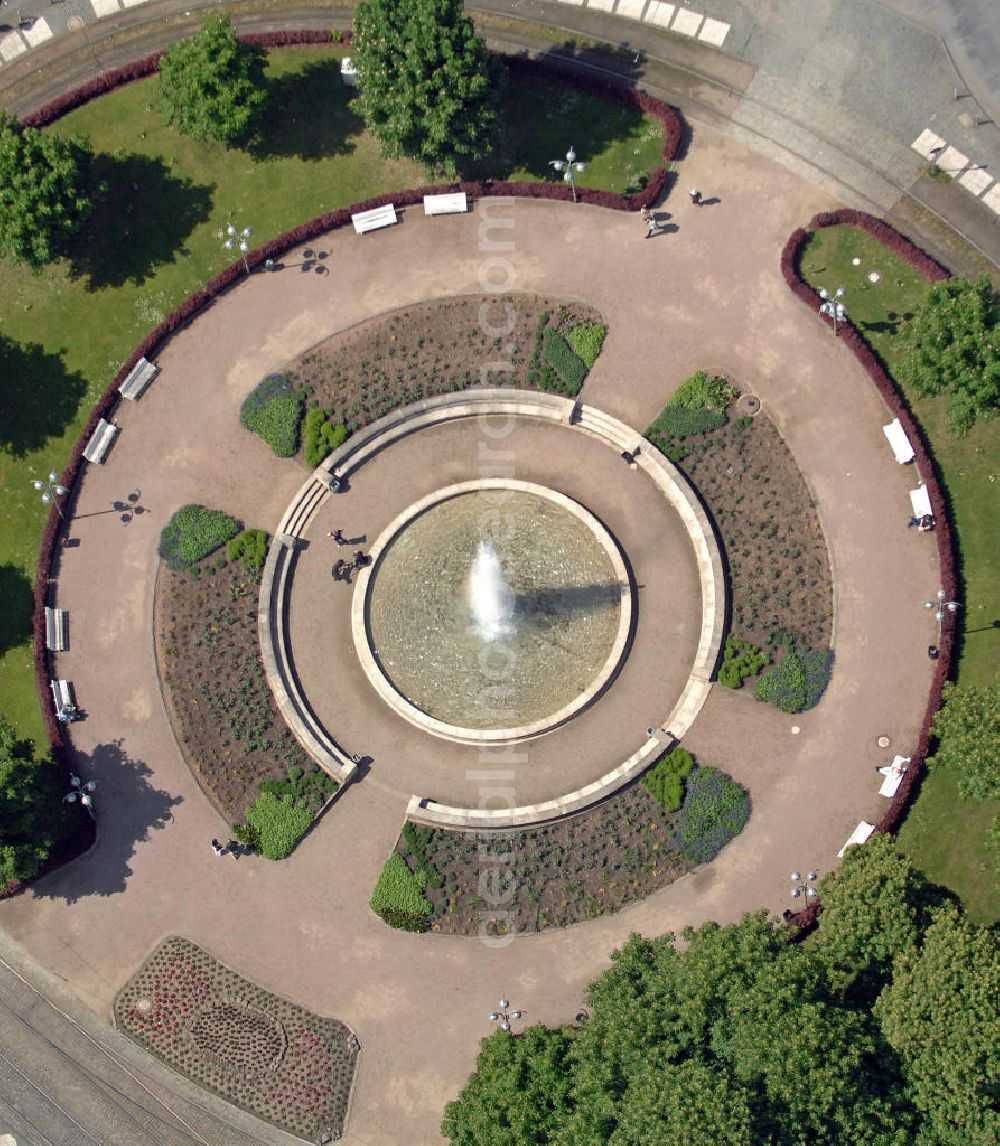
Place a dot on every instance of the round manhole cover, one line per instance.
(748, 404)
(884, 742)
(75, 23)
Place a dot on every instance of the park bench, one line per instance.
(900, 443)
(99, 442)
(371, 220)
(456, 203)
(56, 630)
(139, 377)
(893, 776)
(65, 701)
(920, 499)
(858, 836)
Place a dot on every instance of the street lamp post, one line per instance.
(51, 491)
(942, 606)
(568, 166)
(238, 240)
(803, 885)
(504, 1015)
(81, 792)
(832, 306)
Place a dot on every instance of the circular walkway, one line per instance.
(708, 295)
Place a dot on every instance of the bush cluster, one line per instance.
(798, 681)
(665, 780)
(322, 436)
(686, 421)
(193, 533)
(312, 786)
(714, 812)
(571, 370)
(273, 409)
(275, 824)
(415, 840)
(741, 659)
(699, 392)
(586, 339)
(399, 898)
(250, 547)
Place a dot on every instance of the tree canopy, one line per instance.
(424, 75)
(211, 85)
(968, 730)
(43, 191)
(951, 347)
(747, 1036)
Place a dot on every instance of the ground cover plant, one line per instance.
(273, 409)
(361, 374)
(283, 1063)
(946, 837)
(558, 874)
(193, 533)
(222, 711)
(740, 659)
(798, 682)
(250, 547)
(152, 241)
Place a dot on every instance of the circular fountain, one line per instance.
(493, 611)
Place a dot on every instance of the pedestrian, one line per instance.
(233, 848)
(696, 198)
(652, 227)
(645, 214)
(218, 848)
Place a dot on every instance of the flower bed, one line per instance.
(284, 1064)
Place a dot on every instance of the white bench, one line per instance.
(99, 442)
(348, 73)
(900, 443)
(455, 203)
(893, 775)
(920, 499)
(65, 701)
(858, 836)
(372, 220)
(139, 377)
(56, 630)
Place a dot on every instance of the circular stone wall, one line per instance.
(571, 612)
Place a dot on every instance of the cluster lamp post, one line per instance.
(504, 1015)
(832, 306)
(942, 607)
(81, 792)
(238, 240)
(803, 885)
(568, 167)
(51, 491)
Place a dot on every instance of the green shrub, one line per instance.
(665, 780)
(699, 392)
(250, 547)
(714, 812)
(279, 822)
(273, 410)
(586, 339)
(798, 681)
(416, 840)
(194, 532)
(684, 422)
(556, 353)
(312, 787)
(741, 659)
(399, 896)
(322, 436)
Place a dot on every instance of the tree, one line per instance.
(941, 1015)
(425, 83)
(43, 195)
(968, 731)
(33, 818)
(951, 347)
(212, 86)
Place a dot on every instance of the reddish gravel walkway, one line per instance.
(708, 295)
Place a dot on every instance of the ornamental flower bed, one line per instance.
(282, 1063)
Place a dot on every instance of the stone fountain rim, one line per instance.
(379, 680)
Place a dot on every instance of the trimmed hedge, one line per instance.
(322, 436)
(556, 353)
(193, 533)
(715, 811)
(250, 547)
(665, 780)
(273, 410)
(399, 897)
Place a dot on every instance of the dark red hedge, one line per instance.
(895, 401)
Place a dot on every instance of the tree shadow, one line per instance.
(142, 215)
(126, 809)
(16, 604)
(308, 116)
(39, 397)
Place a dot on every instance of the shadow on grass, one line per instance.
(142, 215)
(16, 603)
(126, 809)
(39, 397)
(308, 116)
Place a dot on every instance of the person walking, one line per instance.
(652, 227)
(218, 848)
(696, 197)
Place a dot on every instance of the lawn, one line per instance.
(943, 835)
(153, 240)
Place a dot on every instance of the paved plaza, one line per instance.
(708, 295)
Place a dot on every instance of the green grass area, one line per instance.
(943, 835)
(154, 239)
